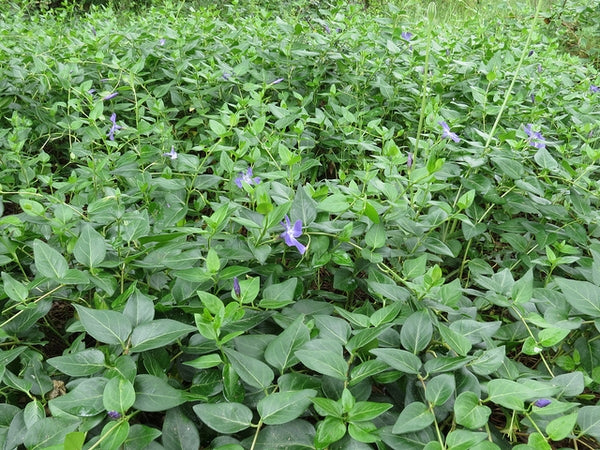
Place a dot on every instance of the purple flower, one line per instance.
(226, 76)
(447, 133)
(536, 140)
(594, 89)
(539, 68)
(532, 96)
(246, 178)
(91, 91)
(172, 154)
(162, 41)
(338, 30)
(530, 53)
(114, 415)
(115, 127)
(291, 233)
(542, 402)
(110, 96)
(277, 81)
(327, 29)
(93, 31)
(406, 35)
(409, 160)
(237, 290)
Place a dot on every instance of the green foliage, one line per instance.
(277, 225)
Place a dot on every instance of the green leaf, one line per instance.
(140, 436)
(33, 412)
(412, 268)
(74, 441)
(561, 427)
(114, 434)
(545, 160)
(549, 337)
(414, 417)
(48, 261)
(364, 337)
(224, 418)
(588, 419)
(333, 204)
(329, 430)
(280, 351)
(81, 364)
(439, 389)
(376, 236)
(139, 308)
(509, 166)
(118, 395)
(536, 441)
(366, 369)
(90, 248)
(455, 341)
(416, 332)
(49, 431)
(295, 435)
(6, 356)
(569, 384)
(370, 211)
(254, 372)
(213, 264)
(179, 432)
(363, 432)
(16, 290)
(157, 333)
(464, 439)
(488, 361)
(217, 127)
(205, 361)
(14, 382)
(328, 407)
(84, 400)
(508, 394)
(326, 362)
(466, 199)
(303, 207)
(469, 413)
(399, 359)
(155, 394)
(386, 314)
(438, 247)
(522, 290)
(109, 327)
(211, 302)
(333, 328)
(360, 320)
(388, 291)
(367, 411)
(233, 390)
(250, 288)
(581, 295)
(279, 294)
(283, 407)
(31, 207)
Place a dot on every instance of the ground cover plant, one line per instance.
(302, 227)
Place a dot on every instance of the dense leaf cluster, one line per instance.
(230, 228)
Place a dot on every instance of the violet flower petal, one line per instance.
(447, 133)
(291, 233)
(542, 402)
(172, 154)
(237, 290)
